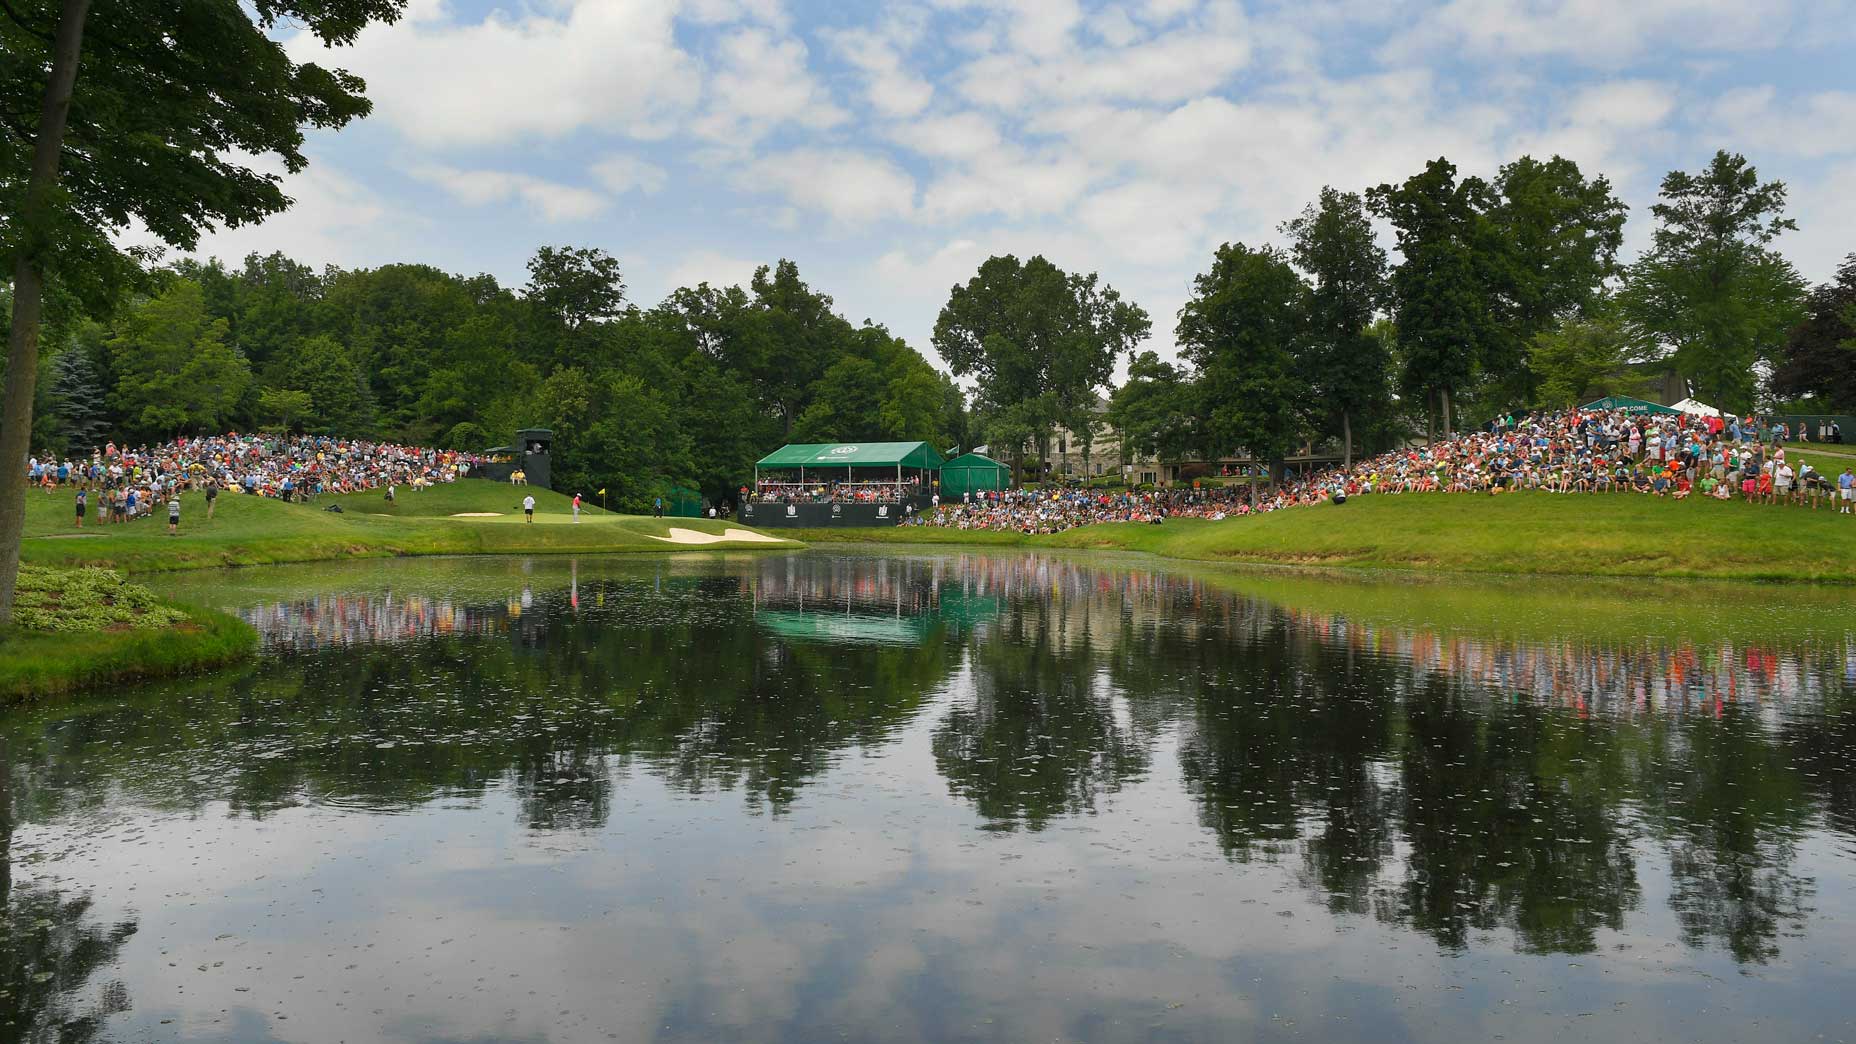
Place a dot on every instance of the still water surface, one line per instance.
(802, 797)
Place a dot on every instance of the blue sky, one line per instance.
(889, 148)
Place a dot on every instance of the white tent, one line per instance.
(1697, 409)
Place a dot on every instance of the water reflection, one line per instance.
(848, 784)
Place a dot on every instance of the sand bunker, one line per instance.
(690, 536)
(478, 514)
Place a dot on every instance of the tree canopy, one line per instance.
(1039, 342)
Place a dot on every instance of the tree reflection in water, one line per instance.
(1439, 778)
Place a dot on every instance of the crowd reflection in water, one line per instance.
(1452, 782)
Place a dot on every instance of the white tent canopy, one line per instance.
(1698, 409)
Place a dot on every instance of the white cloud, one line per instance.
(709, 266)
(1045, 62)
(847, 186)
(891, 89)
(549, 200)
(1817, 125)
(336, 218)
(1596, 31)
(442, 82)
(621, 174)
(761, 82)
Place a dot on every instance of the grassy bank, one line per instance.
(1528, 533)
(77, 629)
(258, 531)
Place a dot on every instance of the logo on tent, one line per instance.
(842, 450)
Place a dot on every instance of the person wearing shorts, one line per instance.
(81, 498)
(1846, 491)
(528, 509)
(212, 498)
(174, 515)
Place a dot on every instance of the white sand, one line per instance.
(478, 514)
(691, 536)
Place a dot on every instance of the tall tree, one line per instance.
(1819, 357)
(1711, 290)
(1155, 412)
(1348, 367)
(1553, 245)
(1040, 341)
(1244, 327)
(1440, 290)
(1585, 357)
(79, 401)
(175, 95)
(174, 370)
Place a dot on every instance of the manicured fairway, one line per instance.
(253, 531)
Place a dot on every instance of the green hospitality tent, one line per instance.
(1628, 405)
(973, 473)
(853, 461)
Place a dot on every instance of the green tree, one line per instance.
(845, 406)
(573, 289)
(1819, 357)
(1243, 328)
(1582, 358)
(284, 407)
(80, 403)
(1041, 343)
(1440, 291)
(1347, 366)
(173, 97)
(1710, 290)
(337, 391)
(1155, 411)
(174, 370)
(1552, 245)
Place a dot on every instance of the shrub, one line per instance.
(75, 600)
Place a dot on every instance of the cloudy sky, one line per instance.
(889, 148)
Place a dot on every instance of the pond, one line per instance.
(946, 797)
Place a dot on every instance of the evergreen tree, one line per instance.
(79, 402)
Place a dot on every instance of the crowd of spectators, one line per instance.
(1677, 456)
(770, 491)
(286, 467)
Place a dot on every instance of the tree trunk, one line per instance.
(1430, 418)
(1445, 392)
(1346, 439)
(34, 219)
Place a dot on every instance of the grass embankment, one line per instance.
(259, 531)
(1625, 535)
(74, 629)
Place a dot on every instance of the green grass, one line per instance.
(79, 628)
(469, 495)
(1625, 535)
(1843, 452)
(259, 531)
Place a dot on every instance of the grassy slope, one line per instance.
(1530, 533)
(34, 665)
(255, 531)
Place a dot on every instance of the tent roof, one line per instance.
(1627, 404)
(972, 460)
(1699, 408)
(853, 454)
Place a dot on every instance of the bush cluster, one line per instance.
(75, 600)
